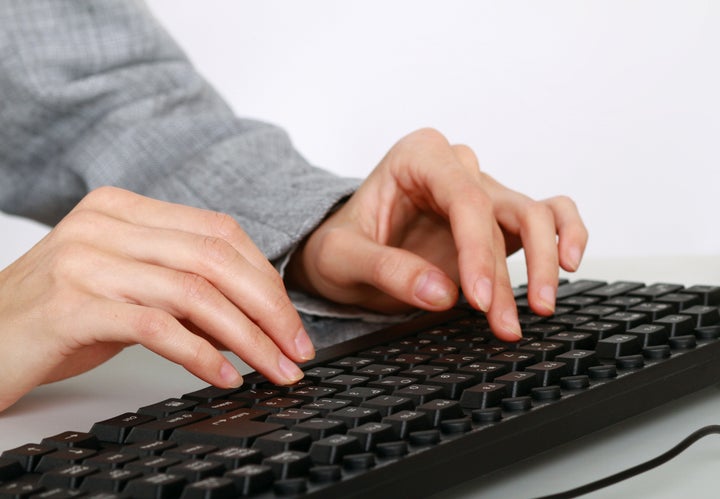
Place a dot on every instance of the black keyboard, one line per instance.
(405, 412)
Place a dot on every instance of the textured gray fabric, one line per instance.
(96, 93)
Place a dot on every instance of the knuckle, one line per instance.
(151, 323)
(385, 268)
(195, 287)
(216, 251)
(537, 211)
(224, 226)
(102, 196)
(429, 135)
(466, 156)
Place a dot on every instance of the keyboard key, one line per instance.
(281, 441)
(156, 485)
(483, 395)
(117, 429)
(210, 488)
(289, 464)
(332, 449)
(109, 480)
(167, 407)
(251, 478)
(371, 434)
(618, 345)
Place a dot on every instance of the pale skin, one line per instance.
(123, 269)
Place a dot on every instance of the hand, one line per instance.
(427, 220)
(123, 269)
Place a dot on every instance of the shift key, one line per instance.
(234, 429)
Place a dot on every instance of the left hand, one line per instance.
(427, 220)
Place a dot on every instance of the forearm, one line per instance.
(97, 94)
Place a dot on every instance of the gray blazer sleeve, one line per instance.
(96, 93)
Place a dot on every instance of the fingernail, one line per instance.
(288, 368)
(432, 288)
(482, 292)
(230, 376)
(304, 346)
(547, 297)
(509, 319)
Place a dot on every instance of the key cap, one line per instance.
(161, 429)
(210, 394)
(405, 422)
(678, 325)
(371, 434)
(615, 289)
(69, 477)
(483, 395)
(360, 394)
(238, 428)
(109, 480)
(28, 455)
(703, 315)
(548, 373)
(419, 394)
(9, 469)
(485, 371)
(452, 384)
(156, 485)
(111, 460)
(63, 458)
(251, 478)
(650, 334)
(388, 404)
(579, 361)
(152, 464)
(331, 450)
(281, 441)
(618, 345)
(210, 488)
(196, 469)
(319, 428)
(72, 439)
(222, 406)
(355, 416)
(289, 464)
(291, 417)
(518, 383)
(235, 457)
(440, 409)
(117, 429)
(709, 295)
(167, 407)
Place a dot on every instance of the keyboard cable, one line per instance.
(640, 468)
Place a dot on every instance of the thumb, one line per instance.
(398, 273)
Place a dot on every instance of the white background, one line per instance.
(614, 103)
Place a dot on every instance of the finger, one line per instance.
(398, 273)
(572, 233)
(186, 296)
(456, 193)
(258, 295)
(160, 332)
(503, 316)
(141, 210)
(534, 225)
(538, 234)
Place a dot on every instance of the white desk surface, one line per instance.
(138, 377)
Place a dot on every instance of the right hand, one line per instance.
(124, 269)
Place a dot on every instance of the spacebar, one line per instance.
(238, 428)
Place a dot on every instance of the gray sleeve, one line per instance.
(96, 93)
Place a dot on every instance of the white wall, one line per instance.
(614, 102)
